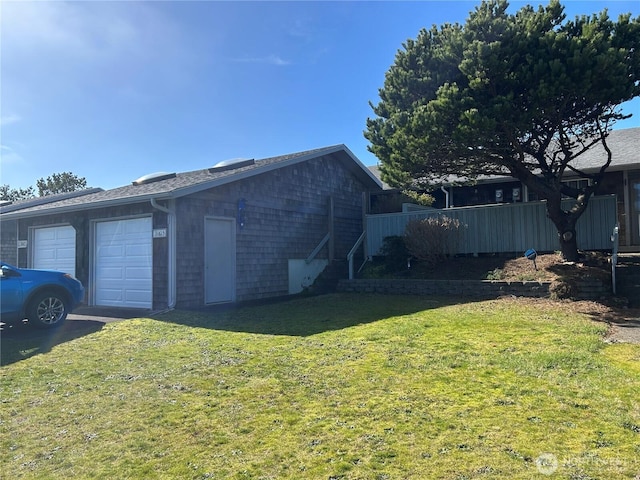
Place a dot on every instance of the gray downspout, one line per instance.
(446, 196)
(171, 238)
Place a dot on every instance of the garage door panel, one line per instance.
(137, 252)
(110, 295)
(107, 230)
(46, 234)
(133, 273)
(124, 284)
(124, 261)
(46, 255)
(68, 233)
(111, 251)
(137, 296)
(111, 273)
(67, 253)
(134, 227)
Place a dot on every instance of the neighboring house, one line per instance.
(240, 230)
(622, 178)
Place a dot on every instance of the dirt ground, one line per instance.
(624, 323)
(547, 267)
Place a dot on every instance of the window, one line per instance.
(580, 183)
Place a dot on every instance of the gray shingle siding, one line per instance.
(8, 242)
(160, 263)
(286, 216)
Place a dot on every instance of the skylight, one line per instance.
(153, 177)
(232, 164)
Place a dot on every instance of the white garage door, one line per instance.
(124, 263)
(55, 249)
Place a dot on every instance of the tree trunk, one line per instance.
(565, 223)
(568, 245)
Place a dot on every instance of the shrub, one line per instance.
(423, 199)
(395, 253)
(495, 274)
(561, 290)
(432, 239)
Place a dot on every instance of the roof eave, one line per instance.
(368, 175)
(82, 207)
(37, 201)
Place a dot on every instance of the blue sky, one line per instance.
(114, 90)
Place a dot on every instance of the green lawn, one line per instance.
(331, 387)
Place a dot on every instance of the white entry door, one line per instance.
(220, 260)
(54, 248)
(123, 269)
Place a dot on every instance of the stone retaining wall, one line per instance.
(586, 289)
(589, 288)
(464, 288)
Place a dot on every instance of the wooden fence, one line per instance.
(509, 228)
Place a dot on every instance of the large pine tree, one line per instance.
(521, 94)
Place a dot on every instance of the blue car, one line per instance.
(43, 297)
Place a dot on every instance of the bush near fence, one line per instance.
(432, 239)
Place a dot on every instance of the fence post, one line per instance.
(614, 256)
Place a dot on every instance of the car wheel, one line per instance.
(47, 310)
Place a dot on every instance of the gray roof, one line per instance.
(187, 183)
(375, 170)
(625, 149)
(624, 145)
(37, 201)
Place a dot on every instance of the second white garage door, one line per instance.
(124, 263)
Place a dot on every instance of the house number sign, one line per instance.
(159, 233)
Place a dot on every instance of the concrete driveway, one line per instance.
(625, 331)
(106, 314)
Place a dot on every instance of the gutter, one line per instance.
(79, 207)
(171, 255)
(38, 201)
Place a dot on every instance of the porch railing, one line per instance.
(352, 253)
(316, 250)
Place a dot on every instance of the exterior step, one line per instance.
(629, 259)
(327, 281)
(628, 279)
(632, 295)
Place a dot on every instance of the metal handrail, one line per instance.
(352, 252)
(316, 250)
